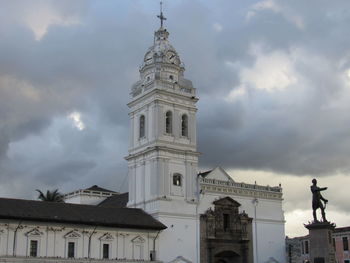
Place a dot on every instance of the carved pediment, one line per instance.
(226, 201)
(138, 239)
(72, 234)
(106, 237)
(34, 232)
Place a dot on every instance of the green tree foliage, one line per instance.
(51, 196)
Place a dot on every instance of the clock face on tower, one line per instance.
(149, 58)
(171, 57)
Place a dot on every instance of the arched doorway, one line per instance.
(227, 257)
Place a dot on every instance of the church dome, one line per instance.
(161, 51)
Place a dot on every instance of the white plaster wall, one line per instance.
(85, 199)
(179, 239)
(73, 200)
(54, 243)
(150, 177)
(271, 241)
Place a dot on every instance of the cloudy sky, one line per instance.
(273, 78)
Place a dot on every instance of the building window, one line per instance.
(137, 248)
(226, 222)
(306, 247)
(33, 248)
(302, 248)
(334, 244)
(184, 125)
(169, 122)
(142, 126)
(346, 261)
(105, 250)
(71, 247)
(345, 244)
(177, 179)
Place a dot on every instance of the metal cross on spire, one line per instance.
(161, 17)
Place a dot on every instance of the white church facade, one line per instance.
(171, 213)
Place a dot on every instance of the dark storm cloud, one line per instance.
(86, 59)
(275, 133)
(64, 171)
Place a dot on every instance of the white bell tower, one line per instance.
(163, 155)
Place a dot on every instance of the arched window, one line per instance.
(142, 126)
(169, 122)
(184, 125)
(177, 179)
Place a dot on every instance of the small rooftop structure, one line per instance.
(89, 196)
(120, 201)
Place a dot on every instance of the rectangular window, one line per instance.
(142, 126)
(334, 244)
(105, 250)
(302, 247)
(345, 244)
(33, 248)
(71, 246)
(346, 261)
(306, 247)
(226, 222)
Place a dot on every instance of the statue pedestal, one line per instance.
(321, 242)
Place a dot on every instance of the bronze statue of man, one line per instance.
(316, 200)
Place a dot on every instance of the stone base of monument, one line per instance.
(321, 242)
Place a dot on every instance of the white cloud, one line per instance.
(21, 88)
(271, 71)
(217, 27)
(267, 4)
(39, 19)
(271, 5)
(236, 94)
(263, 5)
(76, 118)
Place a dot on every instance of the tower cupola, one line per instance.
(161, 67)
(161, 52)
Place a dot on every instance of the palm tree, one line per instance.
(51, 196)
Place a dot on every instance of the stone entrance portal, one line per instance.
(226, 234)
(227, 257)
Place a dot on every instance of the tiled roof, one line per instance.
(120, 201)
(19, 209)
(204, 174)
(342, 229)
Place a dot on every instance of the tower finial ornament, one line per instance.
(161, 16)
